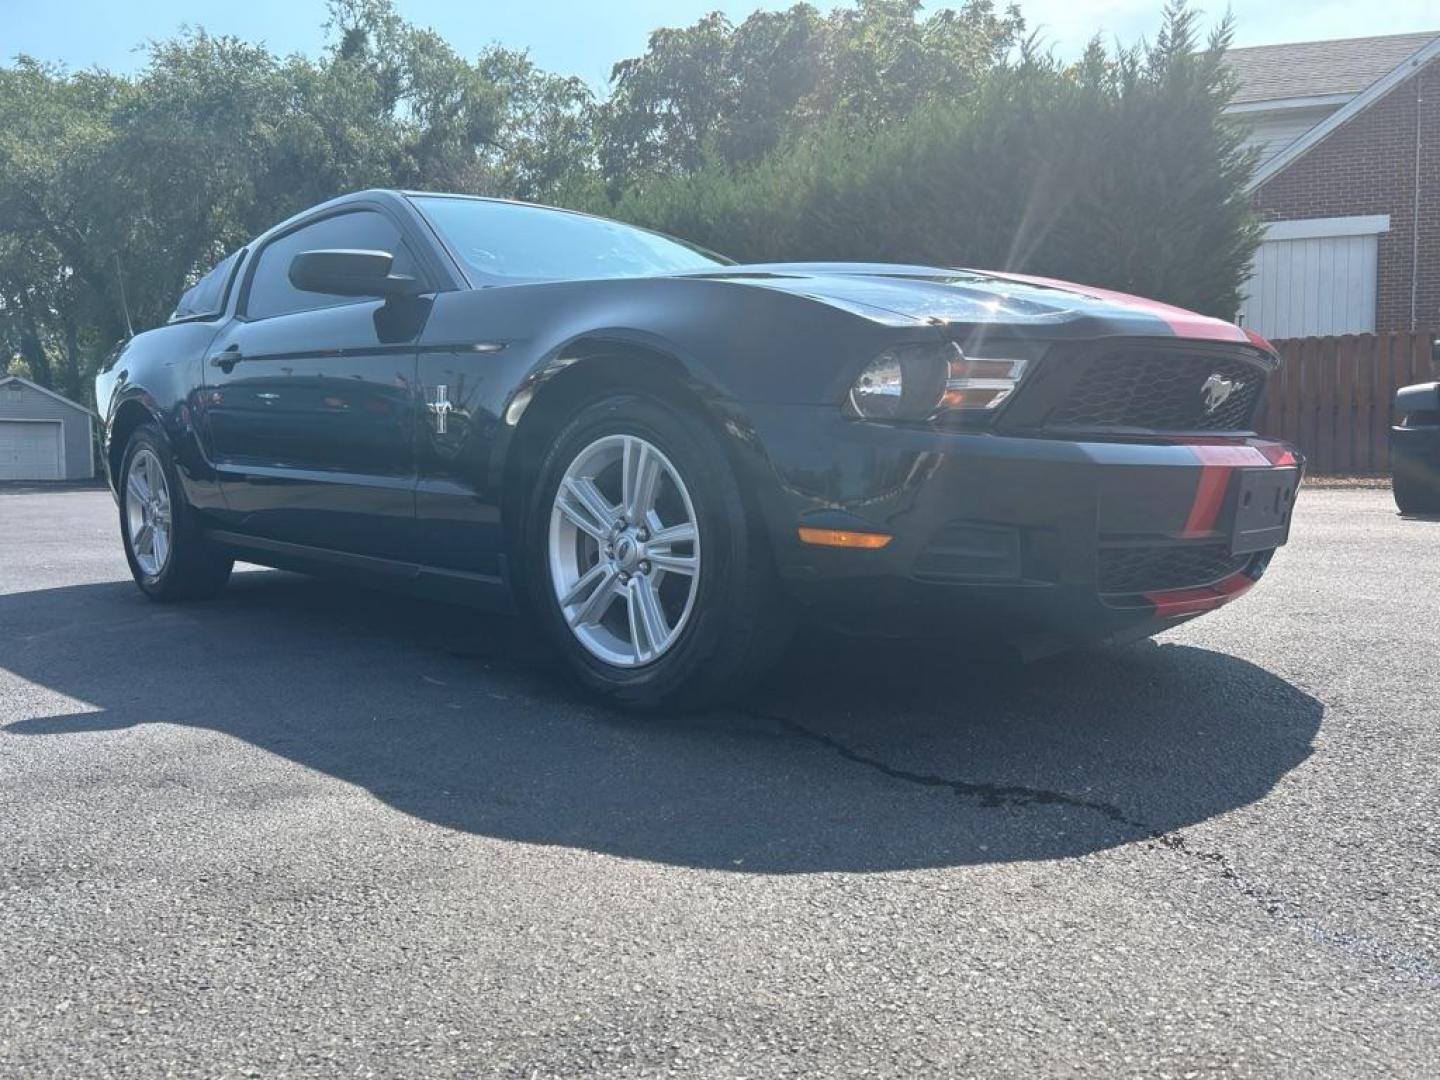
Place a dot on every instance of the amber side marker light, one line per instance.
(840, 538)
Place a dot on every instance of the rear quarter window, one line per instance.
(206, 298)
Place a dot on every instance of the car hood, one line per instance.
(936, 296)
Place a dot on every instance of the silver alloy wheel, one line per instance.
(147, 512)
(623, 526)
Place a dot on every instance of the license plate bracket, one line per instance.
(1264, 499)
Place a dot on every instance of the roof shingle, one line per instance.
(1318, 68)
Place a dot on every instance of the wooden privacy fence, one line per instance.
(1332, 396)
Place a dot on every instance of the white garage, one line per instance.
(43, 436)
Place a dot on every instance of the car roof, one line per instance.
(370, 195)
(401, 195)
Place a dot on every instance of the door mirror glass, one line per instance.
(344, 272)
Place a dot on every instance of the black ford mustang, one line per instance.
(666, 457)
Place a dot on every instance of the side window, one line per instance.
(364, 230)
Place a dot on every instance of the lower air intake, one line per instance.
(1134, 570)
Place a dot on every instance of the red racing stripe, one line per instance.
(1182, 323)
(1260, 341)
(1209, 498)
(1172, 602)
(1277, 454)
(1216, 462)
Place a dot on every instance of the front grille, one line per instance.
(1131, 570)
(1161, 391)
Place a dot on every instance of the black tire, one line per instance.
(740, 621)
(1414, 495)
(193, 569)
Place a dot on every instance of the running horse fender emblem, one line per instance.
(440, 407)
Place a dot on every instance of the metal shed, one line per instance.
(43, 436)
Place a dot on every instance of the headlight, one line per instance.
(903, 383)
(914, 382)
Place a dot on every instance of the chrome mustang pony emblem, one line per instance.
(441, 407)
(1216, 390)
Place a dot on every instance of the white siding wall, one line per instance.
(1272, 132)
(1314, 285)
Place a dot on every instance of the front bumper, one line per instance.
(1008, 536)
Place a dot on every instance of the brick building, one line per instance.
(1348, 182)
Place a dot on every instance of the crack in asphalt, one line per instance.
(772, 726)
(991, 795)
(986, 793)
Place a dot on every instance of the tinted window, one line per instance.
(207, 296)
(365, 230)
(514, 240)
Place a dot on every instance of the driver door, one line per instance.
(310, 400)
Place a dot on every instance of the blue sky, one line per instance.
(585, 38)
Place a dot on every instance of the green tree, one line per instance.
(868, 132)
(715, 91)
(153, 178)
(545, 139)
(1119, 170)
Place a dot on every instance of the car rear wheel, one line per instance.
(1416, 494)
(646, 568)
(168, 556)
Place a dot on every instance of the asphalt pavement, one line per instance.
(310, 830)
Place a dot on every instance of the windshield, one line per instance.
(515, 240)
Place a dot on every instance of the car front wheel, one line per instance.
(647, 570)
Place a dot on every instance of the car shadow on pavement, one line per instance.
(853, 756)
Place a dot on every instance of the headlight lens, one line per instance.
(900, 384)
(915, 382)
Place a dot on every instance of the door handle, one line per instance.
(226, 360)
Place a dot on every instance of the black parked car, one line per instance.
(1415, 448)
(665, 456)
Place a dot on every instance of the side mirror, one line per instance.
(349, 273)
